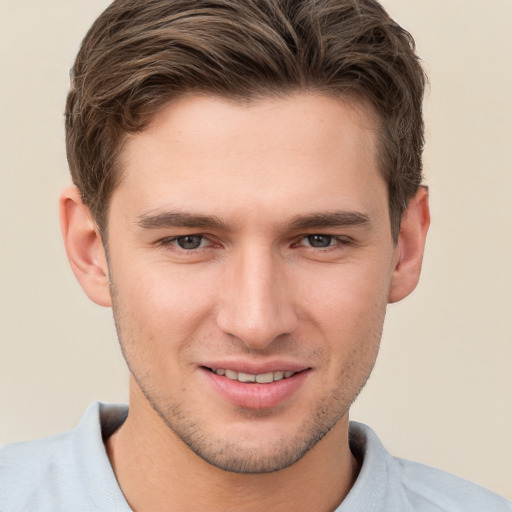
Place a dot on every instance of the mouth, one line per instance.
(256, 384)
(247, 378)
(260, 388)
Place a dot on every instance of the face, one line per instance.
(250, 259)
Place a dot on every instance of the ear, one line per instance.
(409, 249)
(84, 247)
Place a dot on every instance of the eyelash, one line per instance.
(339, 242)
(173, 241)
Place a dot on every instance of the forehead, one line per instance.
(283, 154)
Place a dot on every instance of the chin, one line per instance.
(260, 443)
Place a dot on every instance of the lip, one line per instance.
(254, 395)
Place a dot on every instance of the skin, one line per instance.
(296, 271)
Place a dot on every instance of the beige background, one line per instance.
(441, 391)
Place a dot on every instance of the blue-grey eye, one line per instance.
(189, 242)
(319, 240)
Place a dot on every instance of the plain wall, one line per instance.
(441, 390)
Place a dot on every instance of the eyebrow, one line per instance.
(165, 219)
(178, 219)
(329, 219)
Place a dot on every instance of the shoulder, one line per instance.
(58, 472)
(429, 487)
(405, 485)
(32, 471)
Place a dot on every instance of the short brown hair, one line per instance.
(139, 54)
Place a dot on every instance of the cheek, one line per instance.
(347, 311)
(345, 294)
(158, 313)
(166, 294)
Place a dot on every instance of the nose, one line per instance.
(256, 304)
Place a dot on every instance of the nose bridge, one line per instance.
(256, 306)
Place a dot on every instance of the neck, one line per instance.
(157, 471)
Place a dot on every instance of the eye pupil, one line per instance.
(189, 242)
(319, 240)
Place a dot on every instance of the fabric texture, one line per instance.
(71, 472)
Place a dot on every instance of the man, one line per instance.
(247, 199)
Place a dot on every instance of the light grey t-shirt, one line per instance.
(71, 472)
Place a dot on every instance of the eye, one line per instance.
(320, 241)
(188, 242)
(190, 248)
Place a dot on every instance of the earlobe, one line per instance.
(409, 249)
(84, 247)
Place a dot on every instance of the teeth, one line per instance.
(262, 378)
(265, 378)
(230, 374)
(246, 377)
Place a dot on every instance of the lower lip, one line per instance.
(254, 395)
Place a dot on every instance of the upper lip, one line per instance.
(253, 368)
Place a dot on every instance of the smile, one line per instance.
(256, 388)
(261, 378)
